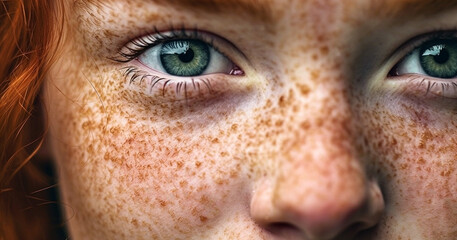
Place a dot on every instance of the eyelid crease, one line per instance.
(137, 46)
(409, 46)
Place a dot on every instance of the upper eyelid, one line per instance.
(414, 43)
(155, 38)
(160, 36)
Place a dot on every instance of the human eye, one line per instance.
(186, 58)
(431, 67)
(179, 65)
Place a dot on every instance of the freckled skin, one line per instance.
(298, 148)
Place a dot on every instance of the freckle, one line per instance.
(183, 183)
(279, 123)
(115, 130)
(224, 154)
(233, 174)
(198, 164)
(324, 50)
(425, 137)
(314, 57)
(394, 142)
(421, 161)
(266, 122)
(281, 101)
(315, 74)
(446, 173)
(421, 143)
(220, 181)
(134, 222)
(234, 127)
(295, 109)
(86, 125)
(215, 140)
(162, 203)
(179, 164)
(305, 125)
(304, 89)
(167, 131)
(203, 218)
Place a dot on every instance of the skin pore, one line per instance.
(315, 140)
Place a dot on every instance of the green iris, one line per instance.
(185, 57)
(439, 59)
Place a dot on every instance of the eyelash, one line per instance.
(151, 39)
(200, 84)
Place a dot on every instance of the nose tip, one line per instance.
(329, 216)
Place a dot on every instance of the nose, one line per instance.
(320, 191)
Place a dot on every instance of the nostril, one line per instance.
(358, 230)
(283, 229)
(352, 230)
(281, 226)
(364, 232)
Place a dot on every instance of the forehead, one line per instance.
(270, 8)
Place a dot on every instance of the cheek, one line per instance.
(413, 148)
(127, 169)
(173, 176)
(123, 175)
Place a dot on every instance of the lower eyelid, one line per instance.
(423, 86)
(172, 89)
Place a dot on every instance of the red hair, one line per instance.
(29, 31)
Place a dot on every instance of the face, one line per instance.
(238, 119)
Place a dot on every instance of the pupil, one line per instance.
(187, 56)
(442, 57)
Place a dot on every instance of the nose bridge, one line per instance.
(323, 147)
(318, 185)
(321, 163)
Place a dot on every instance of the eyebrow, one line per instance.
(259, 9)
(262, 9)
(393, 8)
